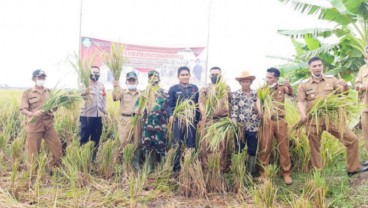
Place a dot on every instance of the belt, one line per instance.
(275, 118)
(218, 117)
(128, 115)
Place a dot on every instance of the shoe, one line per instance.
(360, 170)
(365, 163)
(287, 179)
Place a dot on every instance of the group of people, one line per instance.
(149, 134)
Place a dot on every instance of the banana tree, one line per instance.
(343, 57)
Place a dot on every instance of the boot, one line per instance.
(137, 158)
(287, 179)
(251, 164)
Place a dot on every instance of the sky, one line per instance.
(240, 34)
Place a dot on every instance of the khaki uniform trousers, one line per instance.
(364, 120)
(278, 129)
(127, 137)
(348, 138)
(33, 145)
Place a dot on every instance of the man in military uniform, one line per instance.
(127, 99)
(177, 94)
(92, 111)
(220, 111)
(154, 120)
(361, 84)
(276, 126)
(320, 86)
(39, 125)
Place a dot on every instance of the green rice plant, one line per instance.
(14, 173)
(16, 148)
(106, 159)
(128, 156)
(41, 170)
(271, 171)
(115, 59)
(333, 149)
(216, 97)
(316, 190)
(217, 131)
(82, 67)
(264, 194)
(163, 176)
(238, 170)
(60, 98)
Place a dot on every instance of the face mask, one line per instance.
(132, 87)
(94, 77)
(40, 83)
(215, 79)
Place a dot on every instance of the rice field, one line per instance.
(108, 183)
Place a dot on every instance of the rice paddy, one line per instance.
(108, 183)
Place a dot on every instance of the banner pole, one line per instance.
(208, 38)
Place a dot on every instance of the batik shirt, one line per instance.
(243, 109)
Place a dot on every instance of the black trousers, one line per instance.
(90, 129)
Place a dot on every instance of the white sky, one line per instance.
(44, 33)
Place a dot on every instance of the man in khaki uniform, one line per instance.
(221, 111)
(39, 124)
(127, 99)
(276, 126)
(317, 86)
(361, 84)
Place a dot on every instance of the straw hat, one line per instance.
(245, 75)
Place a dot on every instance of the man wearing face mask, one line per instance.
(154, 119)
(127, 99)
(361, 83)
(92, 111)
(177, 94)
(43, 126)
(221, 110)
(276, 126)
(310, 90)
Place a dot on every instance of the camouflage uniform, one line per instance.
(154, 126)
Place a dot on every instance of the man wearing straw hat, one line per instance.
(220, 111)
(316, 87)
(127, 99)
(43, 125)
(244, 111)
(361, 84)
(275, 125)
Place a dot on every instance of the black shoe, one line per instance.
(365, 163)
(361, 169)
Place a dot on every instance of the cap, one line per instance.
(131, 75)
(153, 73)
(38, 72)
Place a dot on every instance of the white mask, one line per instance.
(132, 87)
(40, 83)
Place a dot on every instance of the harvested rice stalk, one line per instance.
(115, 59)
(128, 156)
(217, 131)
(82, 67)
(60, 98)
(215, 98)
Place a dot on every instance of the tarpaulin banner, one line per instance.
(142, 59)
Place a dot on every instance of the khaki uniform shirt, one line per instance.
(95, 102)
(362, 79)
(278, 93)
(311, 89)
(32, 100)
(127, 100)
(222, 108)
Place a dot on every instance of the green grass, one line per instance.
(80, 183)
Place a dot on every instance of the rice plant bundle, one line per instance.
(269, 106)
(214, 178)
(217, 131)
(115, 60)
(60, 98)
(238, 172)
(128, 156)
(215, 98)
(334, 109)
(316, 190)
(83, 69)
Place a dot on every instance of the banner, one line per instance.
(142, 59)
